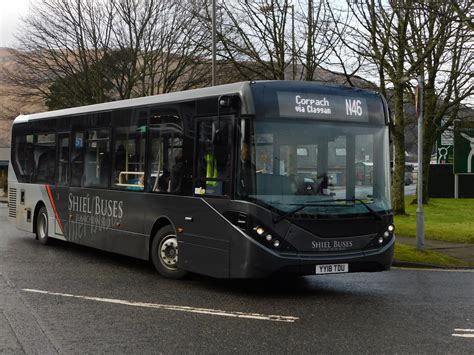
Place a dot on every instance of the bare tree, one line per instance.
(321, 29)
(464, 12)
(76, 52)
(447, 68)
(269, 39)
(381, 34)
(160, 45)
(401, 39)
(175, 51)
(253, 37)
(344, 58)
(60, 39)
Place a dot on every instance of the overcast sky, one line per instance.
(10, 12)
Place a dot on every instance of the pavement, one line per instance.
(462, 251)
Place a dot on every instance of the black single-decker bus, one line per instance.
(243, 180)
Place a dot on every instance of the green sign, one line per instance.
(445, 146)
(464, 148)
(444, 153)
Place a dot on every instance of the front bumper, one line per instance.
(253, 260)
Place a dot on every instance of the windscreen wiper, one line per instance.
(303, 206)
(370, 209)
(323, 203)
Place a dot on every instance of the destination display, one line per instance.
(320, 106)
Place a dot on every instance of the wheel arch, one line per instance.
(39, 204)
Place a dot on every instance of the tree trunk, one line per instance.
(427, 149)
(398, 177)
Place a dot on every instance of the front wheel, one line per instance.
(164, 253)
(42, 226)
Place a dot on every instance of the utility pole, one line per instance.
(309, 43)
(293, 46)
(213, 42)
(420, 218)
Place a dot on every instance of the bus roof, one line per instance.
(241, 88)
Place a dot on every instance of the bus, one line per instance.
(243, 180)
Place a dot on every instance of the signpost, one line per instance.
(463, 151)
(445, 147)
(420, 214)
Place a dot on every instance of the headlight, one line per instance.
(257, 231)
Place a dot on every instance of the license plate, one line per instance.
(332, 269)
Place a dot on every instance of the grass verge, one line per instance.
(446, 219)
(407, 253)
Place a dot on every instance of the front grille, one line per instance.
(12, 202)
(342, 227)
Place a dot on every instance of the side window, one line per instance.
(129, 154)
(44, 157)
(214, 157)
(77, 158)
(23, 157)
(167, 166)
(97, 158)
(63, 159)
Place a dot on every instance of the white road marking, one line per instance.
(208, 311)
(437, 270)
(469, 333)
(463, 335)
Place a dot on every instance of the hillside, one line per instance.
(11, 106)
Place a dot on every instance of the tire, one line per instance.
(42, 226)
(164, 253)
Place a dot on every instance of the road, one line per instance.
(69, 299)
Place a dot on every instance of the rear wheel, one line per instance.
(42, 226)
(164, 253)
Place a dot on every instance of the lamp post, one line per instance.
(420, 215)
(420, 218)
(293, 40)
(213, 42)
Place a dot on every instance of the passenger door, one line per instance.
(205, 246)
(62, 178)
(213, 157)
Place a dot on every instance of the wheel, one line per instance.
(164, 253)
(42, 226)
